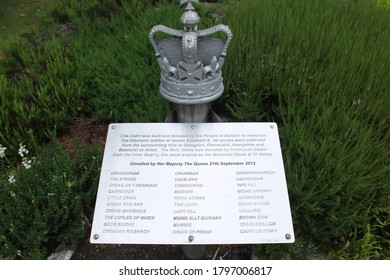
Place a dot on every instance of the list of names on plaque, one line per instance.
(124, 210)
(192, 183)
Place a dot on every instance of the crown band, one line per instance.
(191, 94)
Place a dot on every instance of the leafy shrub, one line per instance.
(115, 60)
(385, 4)
(38, 92)
(322, 72)
(71, 10)
(93, 58)
(48, 205)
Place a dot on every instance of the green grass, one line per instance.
(114, 61)
(320, 69)
(18, 17)
(385, 4)
(120, 76)
(322, 72)
(39, 91)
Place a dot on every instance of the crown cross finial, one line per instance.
(189, 18)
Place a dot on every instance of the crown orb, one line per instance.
(190, 19)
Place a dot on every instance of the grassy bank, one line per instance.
(18, 17)
(320, 69)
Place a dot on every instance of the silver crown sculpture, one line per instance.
(190, 64)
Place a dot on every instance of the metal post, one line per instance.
(191, 76)
(192, 113)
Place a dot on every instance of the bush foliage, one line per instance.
(48, 206)
(38, 91)
(322, 72)
(320, 69)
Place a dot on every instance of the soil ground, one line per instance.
(88, 251)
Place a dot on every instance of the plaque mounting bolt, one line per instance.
(191, 238)
(113, 127)
(96, 236)
(288, 236)
(272, 126)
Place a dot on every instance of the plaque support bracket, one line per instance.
(198, 113)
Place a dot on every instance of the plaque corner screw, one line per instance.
(113, 127)
(193, 126)
(288, 236)
(96, 236)
(191, 238)
(272, 126)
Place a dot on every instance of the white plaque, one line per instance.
(202, 183)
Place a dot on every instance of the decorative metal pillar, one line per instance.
(191, 76)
